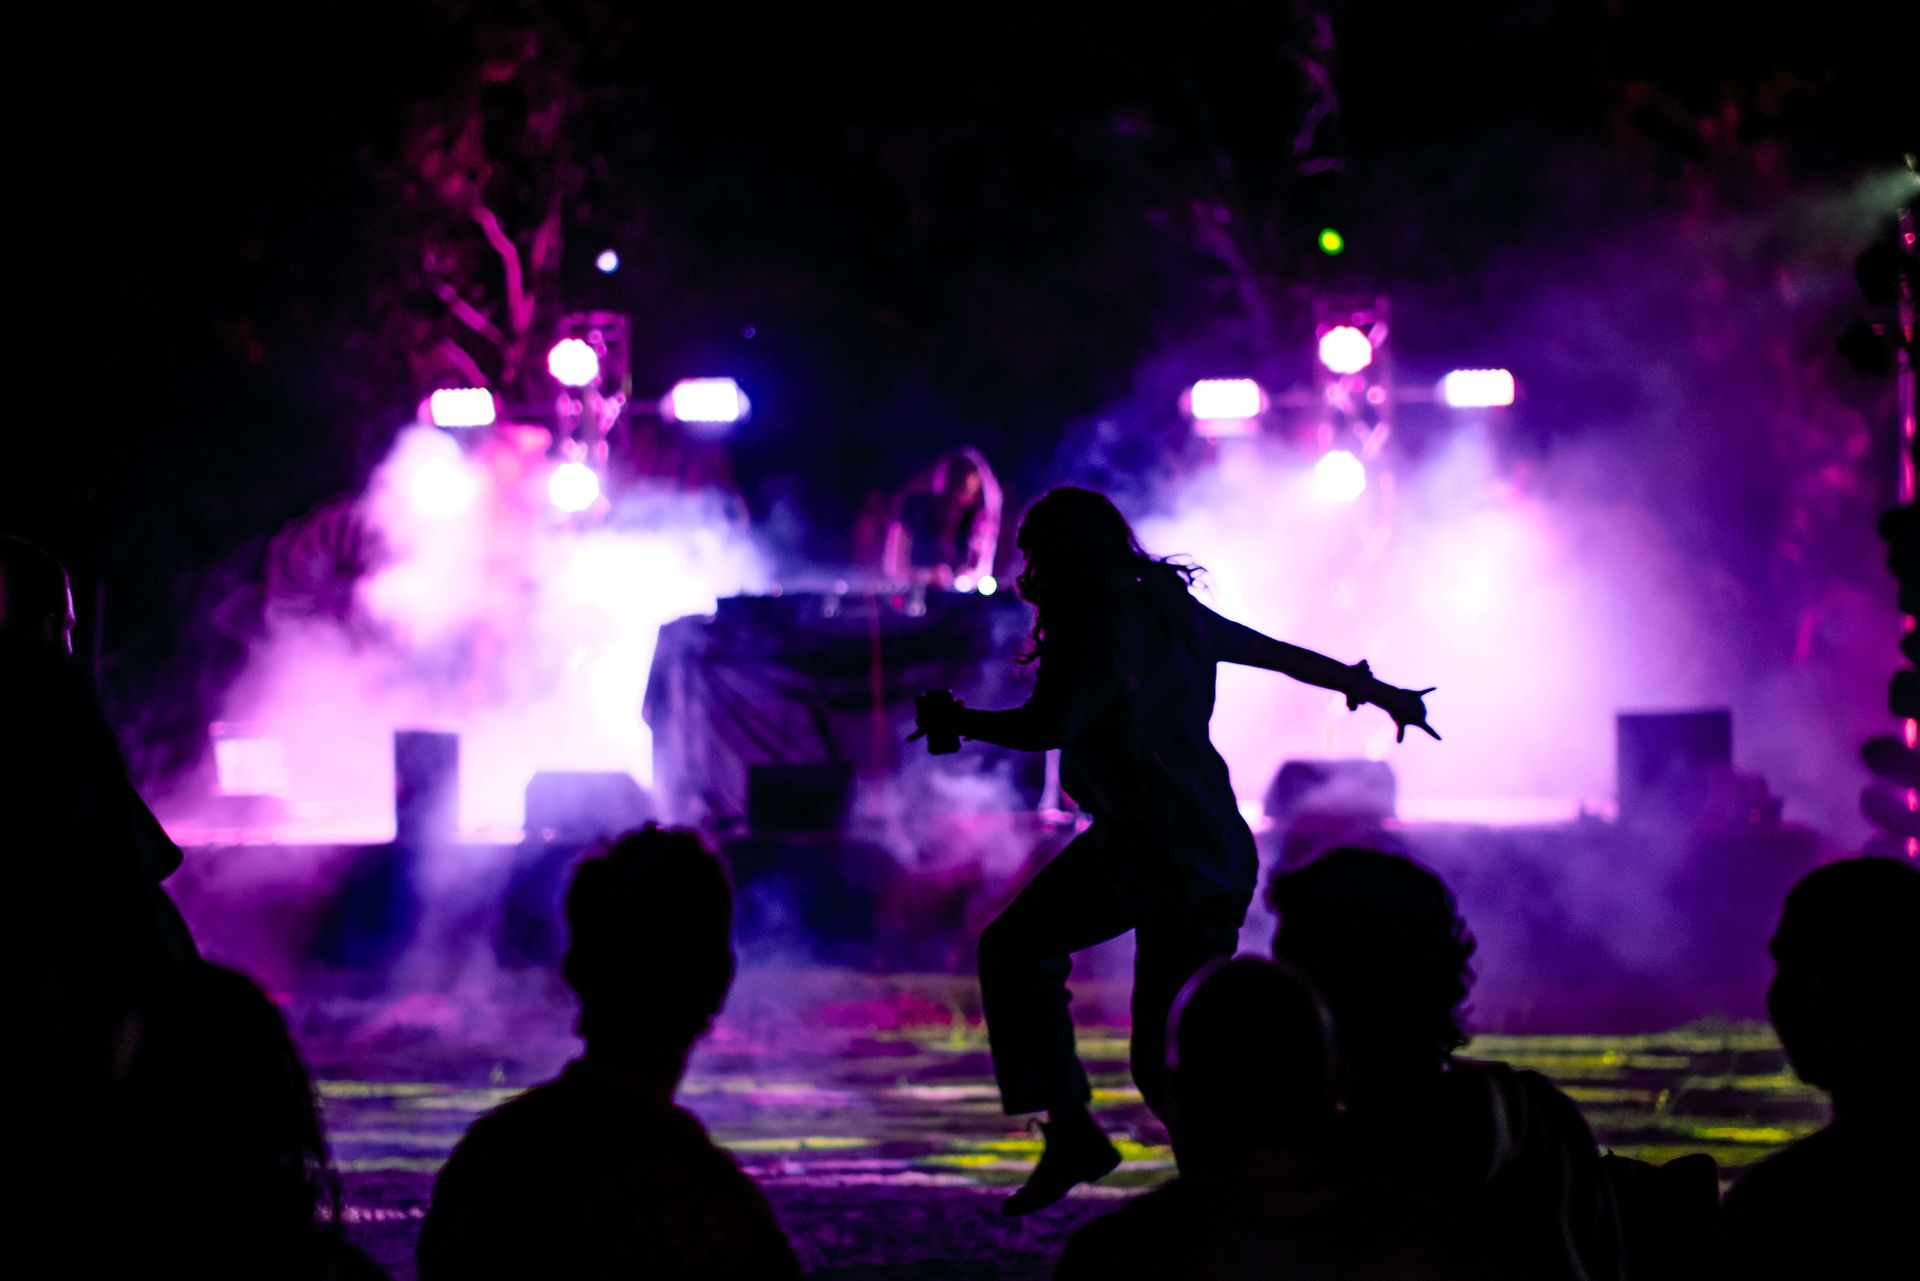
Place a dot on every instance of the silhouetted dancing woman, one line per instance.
(1125, 685)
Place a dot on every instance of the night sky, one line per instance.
(938, 226)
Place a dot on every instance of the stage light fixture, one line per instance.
(573, 363)
(989, 584)
(1345, 350)
(1339, 477)
(608, 262)
(573, 487)
(715, 401)
(1225, 399)
(963, 583)
(1477, 388)
(1331, 241)
(461, 407)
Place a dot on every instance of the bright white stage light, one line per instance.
(988, 584)
(443, 486)
(573, 487)
(608, 262)
(1345, 350)
(1339, 477)
(706, 400)
(1221, 399)
(1477, 388)
(461, 407)
(963, 583)
(573, 362)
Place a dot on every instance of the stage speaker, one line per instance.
(1345, 789)
(583, 806)
(426, 787)
(1670, 763)
(815, 798)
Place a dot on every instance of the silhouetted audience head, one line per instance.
(36, 603)
(597, 1173)
(651, 950)
(220, 1157)
(1251, 1057)
(1846, 996)
(1382, 941)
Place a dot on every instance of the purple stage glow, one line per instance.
(573, 363)
(531, 638)
(713, 401)
(443, 487)
(1345, 350)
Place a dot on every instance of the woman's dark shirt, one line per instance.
(1128, 694)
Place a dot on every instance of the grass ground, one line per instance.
(865, 1107)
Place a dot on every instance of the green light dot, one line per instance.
(1331, 241)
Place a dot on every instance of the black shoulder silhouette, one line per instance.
(1846, 1001)
(1382, 940)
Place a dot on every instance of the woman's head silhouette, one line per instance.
(1080, 552)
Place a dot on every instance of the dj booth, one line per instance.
(776, 707)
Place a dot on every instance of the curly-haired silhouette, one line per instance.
(1380, 938)
(1846, 1002)
(212, 1108)
(1125, 685)
(1262, 1191)
(597, 1173)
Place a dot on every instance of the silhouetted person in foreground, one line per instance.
(1843, 1202)
(1125, 685)
(1262, 1194)
(84, 924)
(597, 1174)
(217, 1167)
(1380, 938)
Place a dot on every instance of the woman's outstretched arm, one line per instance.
(1020, 728)
(1237, 643)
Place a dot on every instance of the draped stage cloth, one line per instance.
(816, 679)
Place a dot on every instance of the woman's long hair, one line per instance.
(1081, 556)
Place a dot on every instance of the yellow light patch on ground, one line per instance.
(1143, 1154)
(1694, 1039)
(804, 1143)
(970, 1161)
(1770, 1135)
(1600, 1094)
(1773, 1082)
(376, 1089)
(1030, 1147)
(1729, 1157)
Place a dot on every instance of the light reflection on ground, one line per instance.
(880, 1145)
